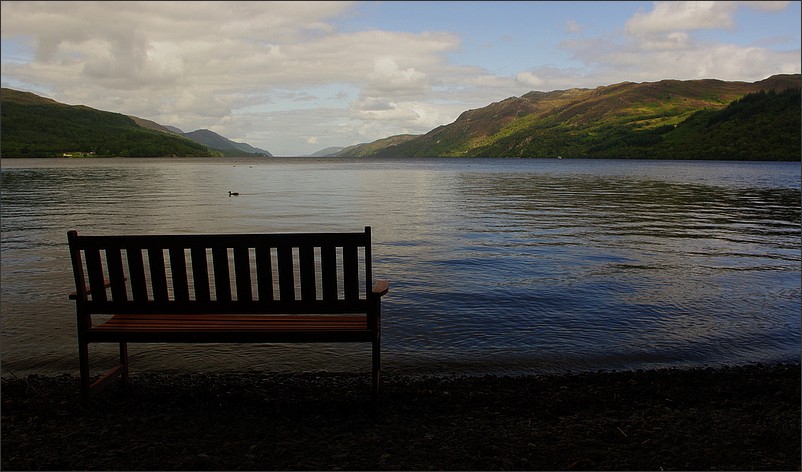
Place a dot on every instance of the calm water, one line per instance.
(496, 266)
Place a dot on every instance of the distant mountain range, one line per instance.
(206, 137)
(328, 152)
(669, 119)
(674, 119)
(215, 141)
(34, 126)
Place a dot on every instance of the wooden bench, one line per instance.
(223, 288)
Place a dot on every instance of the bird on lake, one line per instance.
(232, 194)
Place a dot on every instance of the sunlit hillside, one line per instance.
(627, 120)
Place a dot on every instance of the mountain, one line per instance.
(174, 129)
(220, 143)
(34, 126)
(147, 124)
(328, 152)
(208, 138)
(381, 147)
(667, 119)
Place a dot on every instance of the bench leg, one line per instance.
(124, 364)
(376, 371)
(87, 386)
(83, 356)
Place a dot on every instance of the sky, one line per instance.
(297, 77)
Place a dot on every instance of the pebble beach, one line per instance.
(734, 418)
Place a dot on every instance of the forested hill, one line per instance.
(34, 126)
(670, 119)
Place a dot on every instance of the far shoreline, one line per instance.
(379, 158)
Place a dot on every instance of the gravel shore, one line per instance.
(736, 418)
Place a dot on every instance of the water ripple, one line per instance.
(496, 265)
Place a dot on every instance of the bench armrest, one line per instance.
(380, 288)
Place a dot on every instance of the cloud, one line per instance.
(212, 45)
(529, 79)
(662, 43)
(370, 105)
(388, 79)
(693, 15)
(674, 16)
(767, 6)
(573, 27)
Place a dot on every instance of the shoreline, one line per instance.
(730, 418)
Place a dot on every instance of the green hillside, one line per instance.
(668, 119)
(33, 126)
(379, 147)
(764, 125)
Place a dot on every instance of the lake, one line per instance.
(498, 266)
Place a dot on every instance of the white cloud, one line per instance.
(529, 79)
(662, 44)
(690, 15)
(388, 78)
(767, 6)
(670, 41)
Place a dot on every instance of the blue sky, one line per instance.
(296, 77)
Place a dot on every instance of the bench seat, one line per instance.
(264, 323)
(231, 328)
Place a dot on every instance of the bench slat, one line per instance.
(276, 307)
(178, 268)
(223, 328)
(351, 272)
(242, 270)
(158, 277)
(184, 323)
(94, 269)
(155, 317)
(264, 273)
(328, 267)
(136, 268)
(222, 278)
(306, 256)
(116, 275)
(286, 278)
(219, 240)
(200, 273)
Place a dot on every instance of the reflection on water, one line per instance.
(496, 265)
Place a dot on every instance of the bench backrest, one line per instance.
(223, 273)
